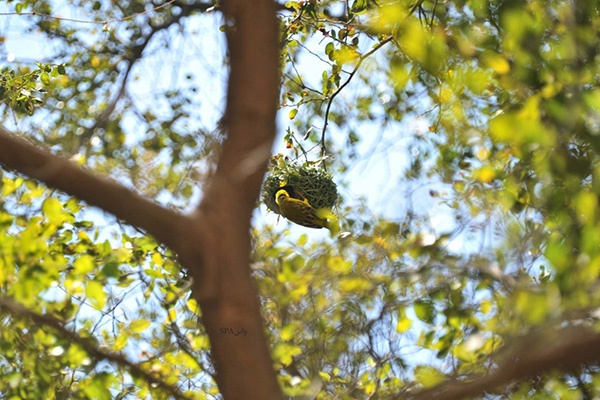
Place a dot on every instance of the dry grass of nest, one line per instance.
(311, 183)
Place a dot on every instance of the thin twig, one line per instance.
(343, 85)
(415, 6)
(90, 346)
(83, 21)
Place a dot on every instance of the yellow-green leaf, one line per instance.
(84, 264)
(354, 285)
(120, 342)
(403, 325)
(338, 264)
(52, 210)
(284, 352)
(288, 331)
(172, 314)
(497, 62)
(428, 376)
(95, 293)
(424, 311)
(302, 239)
(139, 325)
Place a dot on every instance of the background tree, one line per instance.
(472, 273)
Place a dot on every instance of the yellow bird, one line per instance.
(298, 211)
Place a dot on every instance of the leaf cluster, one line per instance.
(18, 88)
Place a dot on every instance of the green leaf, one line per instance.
(99, 387)
(10, 186)
(352, 285)
(120, 342)
(428, 376)
(293, 113)
(84, 264)
(284, 352)
(338, 264)
(288, 332)
(534, 307)
(292, 4)
(302, 240)
(76, 356)
(404, 323)
(329, 49)
(45, 78)
(358, 6)
(424, 310)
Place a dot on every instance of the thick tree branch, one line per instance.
(563, 349)
(18, 154)
(220, 266)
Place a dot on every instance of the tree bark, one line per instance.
(225, 290)
(18, 154)
(563, 349)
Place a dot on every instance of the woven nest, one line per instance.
(301, 182)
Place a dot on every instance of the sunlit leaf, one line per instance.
(139, 325)
(428, 376)
(95, 293)
(84, 264)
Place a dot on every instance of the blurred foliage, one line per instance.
(124, 292)
(94, 111)
(497, 105)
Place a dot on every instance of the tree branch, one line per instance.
(214, 242)
(134, 57)
(88, 345)
(539, 352)
(220, 266)
(18, 154)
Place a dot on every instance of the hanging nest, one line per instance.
(301, 182)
